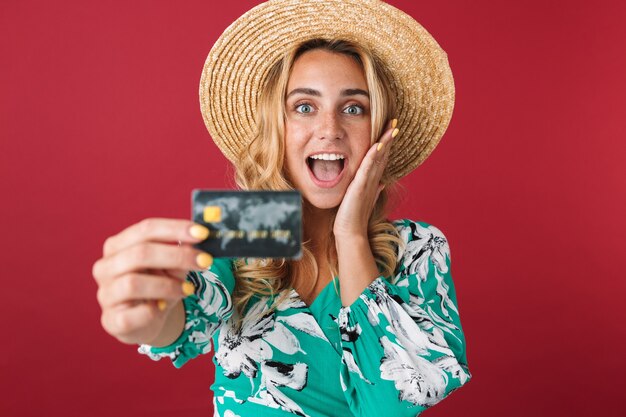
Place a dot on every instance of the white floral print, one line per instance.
(397, 350)
(242, 349)
(426, 245)
(417, 356)
(416, 379)
(248, 349)
(211, 295)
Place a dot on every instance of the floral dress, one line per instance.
(397, 350)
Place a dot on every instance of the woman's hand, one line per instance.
(358, 202)
(141, 278)
(357, 267)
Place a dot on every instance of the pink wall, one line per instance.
(100, 127)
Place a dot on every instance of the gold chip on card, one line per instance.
(212, 214)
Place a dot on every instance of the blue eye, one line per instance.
(354, 109)
(304, 108)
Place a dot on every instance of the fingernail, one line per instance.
(395, 133)
(188, 288)
(162, 305)
(394, 123)
(379, 147)
(204, 260)
(199, 231)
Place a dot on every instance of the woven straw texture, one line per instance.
(239, 61)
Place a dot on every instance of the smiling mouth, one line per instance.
(326, 167)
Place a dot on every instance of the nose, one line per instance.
(330, 126)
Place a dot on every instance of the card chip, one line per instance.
(212, 214)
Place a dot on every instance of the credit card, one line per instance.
(249, 224)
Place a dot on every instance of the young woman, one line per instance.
(338, 100)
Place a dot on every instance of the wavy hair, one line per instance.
(261, 167)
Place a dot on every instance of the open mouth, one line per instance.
(326, 167)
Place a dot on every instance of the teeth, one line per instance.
(327, 156)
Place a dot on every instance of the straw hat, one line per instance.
(238, 63)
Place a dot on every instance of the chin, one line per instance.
(324, 202)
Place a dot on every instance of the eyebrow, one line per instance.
(344, 93)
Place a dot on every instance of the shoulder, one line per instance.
(418, 231)
(422, 242)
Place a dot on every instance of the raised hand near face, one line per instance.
(362, 193)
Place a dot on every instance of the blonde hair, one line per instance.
(261, 167)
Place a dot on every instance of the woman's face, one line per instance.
(327, 130)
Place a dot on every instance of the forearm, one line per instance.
(173, 327)
(357, 267)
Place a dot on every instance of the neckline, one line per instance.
(323, 294)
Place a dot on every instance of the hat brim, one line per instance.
(240, 59)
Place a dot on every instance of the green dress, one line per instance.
(397, 350)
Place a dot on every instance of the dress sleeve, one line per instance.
(403, 348)
(205, 311)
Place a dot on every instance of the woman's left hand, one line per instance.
(362, 193)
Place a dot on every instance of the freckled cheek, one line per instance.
(297, 131)
(361, 149)
(293, 157)
(295, 141)
(356, 163)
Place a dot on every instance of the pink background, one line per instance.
(100, 127)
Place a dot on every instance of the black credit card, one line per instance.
(249, 224)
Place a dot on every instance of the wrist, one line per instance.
(173, 327)
(357, 267)
(351, 241)
(349, 229)
(351, 237)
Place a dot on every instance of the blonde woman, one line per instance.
(312, 96)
